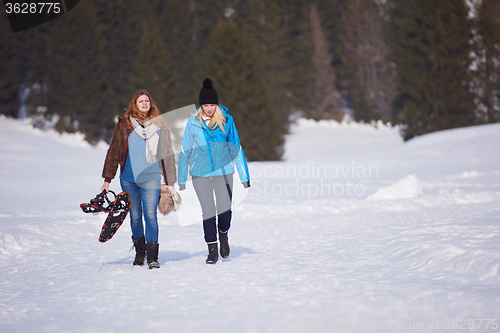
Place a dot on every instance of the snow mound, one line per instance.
(25, 127)
(406, 188)
(346, 122)
(24, 241)
(470, 174)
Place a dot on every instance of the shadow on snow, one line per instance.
(171, 256)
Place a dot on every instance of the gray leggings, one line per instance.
(205, 187)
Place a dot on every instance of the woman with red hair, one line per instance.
(142, 146)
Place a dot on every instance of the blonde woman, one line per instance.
(210, 152)
(139, 136)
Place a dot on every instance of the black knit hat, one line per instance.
(208, 94)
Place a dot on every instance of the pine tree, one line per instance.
(365, 63)
(203, 15)
(75, 76)
(120, 26)
(175, 32)
(9, 67)
(488, 63)
(153, 70)
(431, 52)
(331, 13)
(266, 24)
(231, 60)
(32, 57)
(326, 103)
(298, 25)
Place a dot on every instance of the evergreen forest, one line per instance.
(425, 65)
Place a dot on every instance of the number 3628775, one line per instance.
(33, 8)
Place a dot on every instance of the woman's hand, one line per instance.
(105, 186)
(170, 189)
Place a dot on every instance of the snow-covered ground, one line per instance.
(354, 231)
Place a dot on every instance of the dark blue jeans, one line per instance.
(144, 199)
(205, 187)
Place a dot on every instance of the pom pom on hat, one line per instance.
(207, 83)
(208, 94)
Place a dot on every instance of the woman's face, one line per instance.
(209, 109)
(143, 104)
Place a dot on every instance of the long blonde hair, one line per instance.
(217, 119)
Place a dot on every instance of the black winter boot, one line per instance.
(140, 250)
(213, 256)
(224, 245)
(152, 249)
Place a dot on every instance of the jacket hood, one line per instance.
(224, 109)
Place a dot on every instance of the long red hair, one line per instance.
(133, 111)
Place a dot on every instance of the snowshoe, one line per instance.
(118, 213)
(100, 203)
(117, 210)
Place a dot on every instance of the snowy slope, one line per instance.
(354, 231)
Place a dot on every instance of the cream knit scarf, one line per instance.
(147, 131)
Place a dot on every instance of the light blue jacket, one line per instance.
(211, 152)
